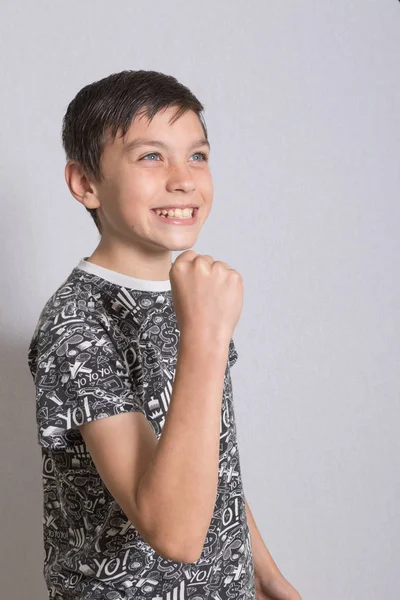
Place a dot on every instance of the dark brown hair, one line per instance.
(102, 108)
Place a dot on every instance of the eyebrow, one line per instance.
(143, 142)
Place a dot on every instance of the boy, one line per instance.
(131, 357)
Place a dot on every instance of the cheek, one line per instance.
(207, 189)
(138, 188)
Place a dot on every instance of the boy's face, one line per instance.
(146, 177)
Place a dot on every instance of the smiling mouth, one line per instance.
(176, 211)
(175, 220)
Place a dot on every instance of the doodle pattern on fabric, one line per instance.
(99, 349)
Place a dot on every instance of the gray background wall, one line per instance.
(302, 106)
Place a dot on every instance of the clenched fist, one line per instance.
(207, 296)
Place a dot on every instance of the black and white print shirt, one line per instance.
(106, 343)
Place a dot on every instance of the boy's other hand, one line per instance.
(207, 296)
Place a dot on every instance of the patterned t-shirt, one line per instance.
(106, 343)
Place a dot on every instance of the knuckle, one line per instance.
(220, 264)
(201, 259)
(185, 256)
(236, 275)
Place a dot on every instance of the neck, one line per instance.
(133, 260)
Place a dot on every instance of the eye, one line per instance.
(202, 154)
(151, 154)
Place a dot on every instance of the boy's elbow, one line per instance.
(176, 555)
(184, 552)
(188, 552)
(169, 541)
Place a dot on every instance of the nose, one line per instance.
(180, 178)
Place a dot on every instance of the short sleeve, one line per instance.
(232, 354)
(81, 373)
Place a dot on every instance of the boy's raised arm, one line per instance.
(168, 487)
(177, 493)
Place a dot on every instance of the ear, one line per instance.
(80, 186)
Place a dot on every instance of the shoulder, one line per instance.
(72, 309)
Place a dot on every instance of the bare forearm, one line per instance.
(178, 490)
(263, 560)
(270, 582)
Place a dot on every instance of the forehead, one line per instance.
(164, 127)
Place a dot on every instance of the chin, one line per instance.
(182, 246)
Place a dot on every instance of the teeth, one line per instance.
(178, 213)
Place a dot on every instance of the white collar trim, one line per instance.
(126, 281)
